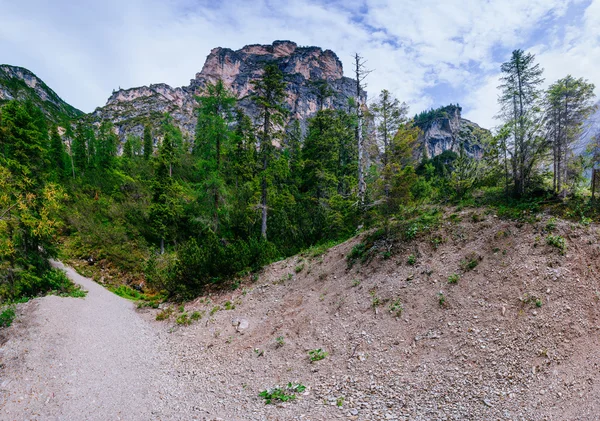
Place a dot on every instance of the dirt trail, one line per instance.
(83, 359)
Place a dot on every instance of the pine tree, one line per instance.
(148, 142)
(268, 96)
(106, 147)
(213, 137)
(390, 114)
(80, 156)
(165, 208)
(57, 153)
(569, 102)
(520, 100)
(360, 74)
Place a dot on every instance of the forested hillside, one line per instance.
(176, 215)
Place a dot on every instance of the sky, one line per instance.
(427, 53)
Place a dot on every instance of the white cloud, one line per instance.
(85, 49)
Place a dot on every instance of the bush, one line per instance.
(7, 316)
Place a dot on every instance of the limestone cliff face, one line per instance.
(130, 109)
(21, 84)
(444, 129)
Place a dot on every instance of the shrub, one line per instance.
(317, 355)
(558, 242)
(7, 316)
(282, 394)
(412, 260)
(453, 279)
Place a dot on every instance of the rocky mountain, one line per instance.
(21, 84)
(130, 109)
(444, 129)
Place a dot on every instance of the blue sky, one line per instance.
(428, 53)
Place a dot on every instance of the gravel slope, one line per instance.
(82, 359)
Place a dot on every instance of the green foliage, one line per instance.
(396, 307)
(317, 355)
(412, 260)
(453, 279)
(557, 241)
(279, 341)
(285, 394)
(7, 315)
(183, 319)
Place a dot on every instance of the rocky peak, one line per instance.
(444, 129)
(130, 109)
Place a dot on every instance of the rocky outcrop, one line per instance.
(444, 129)
(21, 84)
(130, 109)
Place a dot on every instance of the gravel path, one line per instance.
(83, 359)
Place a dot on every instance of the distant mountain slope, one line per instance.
(130, 109)
(21, 84)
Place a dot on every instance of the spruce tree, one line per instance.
(569, 103)
(520, 102)
(213, 135)
(57, 153)
(269, 94)
(148, 142)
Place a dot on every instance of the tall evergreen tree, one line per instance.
(148, 142)
(269, 94)
(213, 136)
(106, 147)
(569, 102)
(520, 103)
(389, 114)
(79, 148)
(57, 153)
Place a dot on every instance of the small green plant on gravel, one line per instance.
(259, 352)
(355, 283)
(181, 308)
(214, 310)
(375, 300)
(339, 402)
(585, 221)
(164, 314)
(7, 316)
(436, 242)
(453, 279)
(470, 262)
(197, 315)
(299, 268)
(551, 225)
(396, 308)
(183, 320)
(558, 242)
(279, 342)
(412, 260)
(538, 303)
(386, 255)
(441, 299)
(282, 394)
(228, 305)
(317, 355)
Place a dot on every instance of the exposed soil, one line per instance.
(517, 338)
